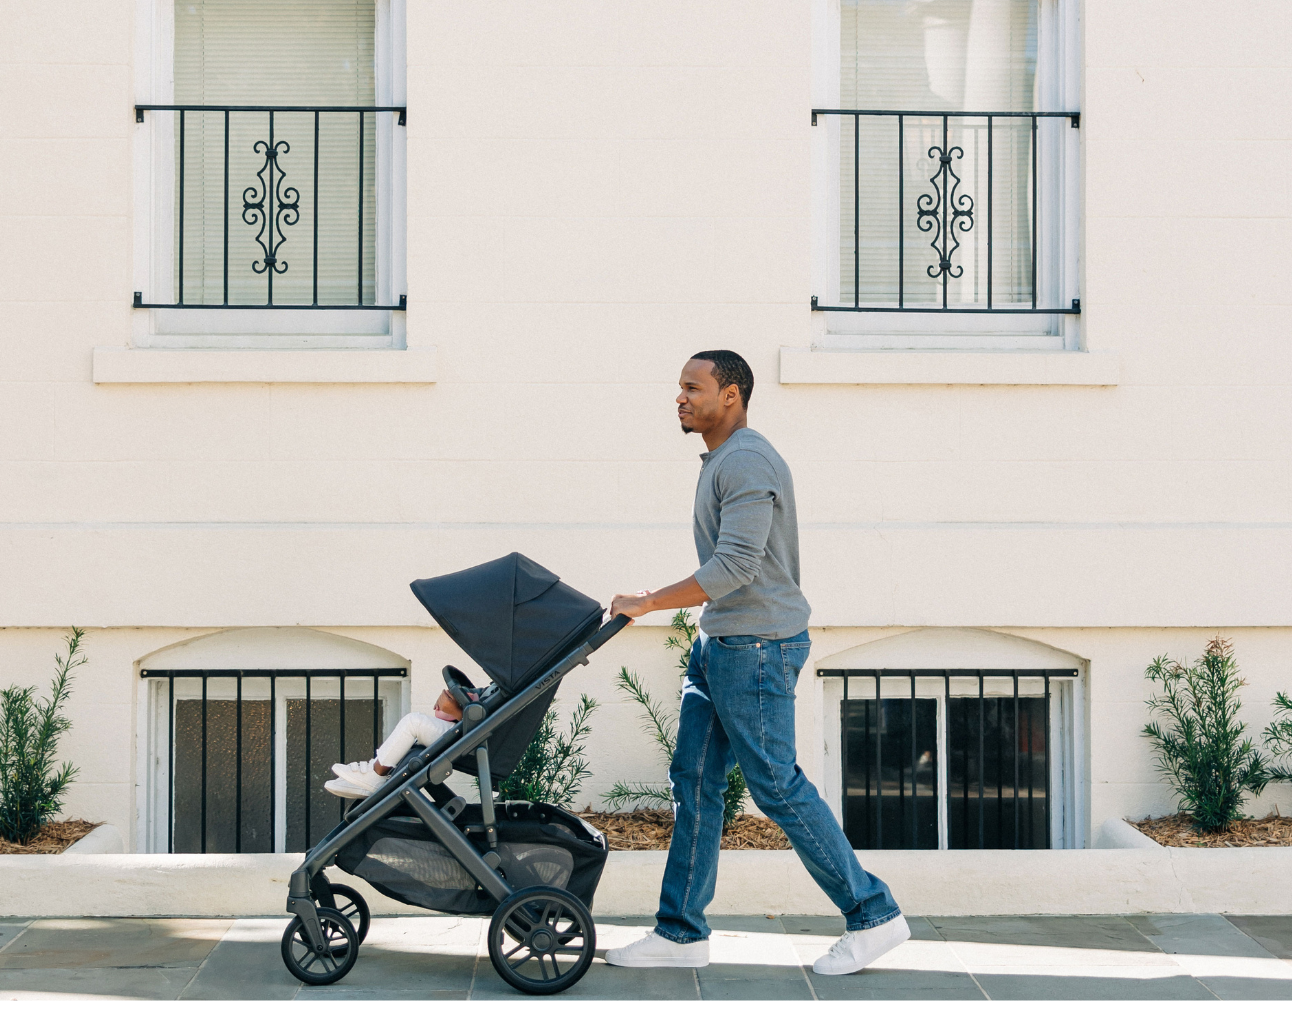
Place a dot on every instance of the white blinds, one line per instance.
(942, 55)
(258, 53)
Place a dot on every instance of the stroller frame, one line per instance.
(309, 891)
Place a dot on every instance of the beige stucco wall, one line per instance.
(595, 191)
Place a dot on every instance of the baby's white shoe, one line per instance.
(858, 948)
(344, 789)
(360, 778)
(656, 952)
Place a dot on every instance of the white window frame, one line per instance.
(154, 205)
(1059, 88)
(1067, 733)
(153, 726)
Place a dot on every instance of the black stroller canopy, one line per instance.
(512, 616)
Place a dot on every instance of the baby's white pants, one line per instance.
(412, 729)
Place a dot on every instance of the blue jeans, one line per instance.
(738, 707)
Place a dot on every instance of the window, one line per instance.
(277, 152)
(241, 756)
(951, 154)
(958, 758)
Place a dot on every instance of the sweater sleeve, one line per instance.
(747, 489)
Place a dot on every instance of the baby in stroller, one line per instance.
(361, 779)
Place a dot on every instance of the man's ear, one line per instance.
(730, 394)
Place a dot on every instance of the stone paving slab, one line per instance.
(113, 943)
(1203, 957)
(1273, 933)
(1109, 933)
(138, 984)
(1214, 936)
(246, 960)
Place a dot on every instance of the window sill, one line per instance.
(974, 368)
(208, 365)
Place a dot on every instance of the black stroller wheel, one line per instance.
(542, 940)
(350, 904)
(328, 966)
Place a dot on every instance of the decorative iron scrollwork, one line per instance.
(947, 212)
(271, 190)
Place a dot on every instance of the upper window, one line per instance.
(273, 161)
(952, 186)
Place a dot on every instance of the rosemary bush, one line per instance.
(1199, 740)
(1278, 738)
(31, 786)
(660, 724)
(554, 767)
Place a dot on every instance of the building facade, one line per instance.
(302, 301)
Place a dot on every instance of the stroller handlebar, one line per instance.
(609, 630)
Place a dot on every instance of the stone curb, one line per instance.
(104, 839)
(1114, 881)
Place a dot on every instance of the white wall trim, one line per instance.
(214, 365)
(1010, 368)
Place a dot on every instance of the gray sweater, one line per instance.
(747, 536)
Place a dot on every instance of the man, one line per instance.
(738, 697)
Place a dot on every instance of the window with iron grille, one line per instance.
(278, 152)
(952, 161)
(956, 758)
(242, 755)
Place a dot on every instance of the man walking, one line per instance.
(738, 697)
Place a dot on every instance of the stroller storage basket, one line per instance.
(540, 845)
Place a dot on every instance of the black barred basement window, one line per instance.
(242, 755)
(954, 759)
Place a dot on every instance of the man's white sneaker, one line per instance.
(344, 789)
(360, 777)
(858, 948)
(656, 952)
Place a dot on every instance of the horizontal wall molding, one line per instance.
(974, 368)
(195, 575)
(240, 365)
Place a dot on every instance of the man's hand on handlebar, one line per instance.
(686, 593)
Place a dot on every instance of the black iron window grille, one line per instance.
(247, 752)
(944, 211)
(963, 760)
(276, 207)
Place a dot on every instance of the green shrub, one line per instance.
(660, 724)
(31, 786)
(1199, 740)
(554, 767)
(1278, 738)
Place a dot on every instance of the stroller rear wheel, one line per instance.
(542, 940)
(350, 904)
(315, 967)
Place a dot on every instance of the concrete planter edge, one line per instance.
(1084, 881)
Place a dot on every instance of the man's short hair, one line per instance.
(729, 368)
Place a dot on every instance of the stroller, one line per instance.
(532, 867)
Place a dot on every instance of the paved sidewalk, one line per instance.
(1182, 957)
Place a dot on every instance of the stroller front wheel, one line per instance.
(341, 949)
(350, 904)
(542, 940)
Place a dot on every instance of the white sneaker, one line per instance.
(858, 948)
(359, 776)
(655, 952)
(344, 789)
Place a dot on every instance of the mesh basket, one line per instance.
(538, 844)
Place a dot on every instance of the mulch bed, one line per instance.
(51, 839)
(651, 829)
(1178, 832)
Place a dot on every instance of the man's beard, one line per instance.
(687, 429)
